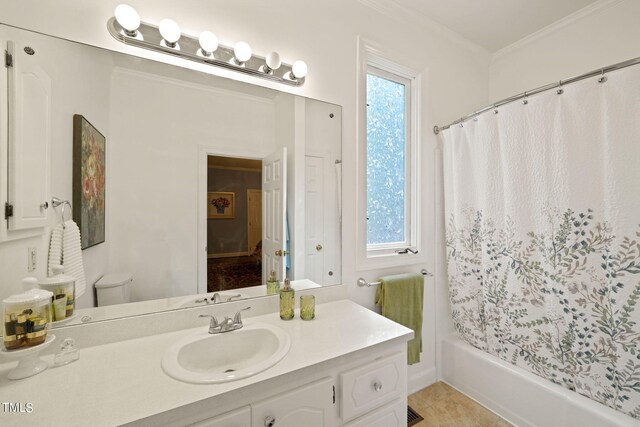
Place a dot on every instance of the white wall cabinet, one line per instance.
(29, 134)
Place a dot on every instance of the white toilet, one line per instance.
(114, 288)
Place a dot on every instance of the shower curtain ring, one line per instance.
(525, 101)
(602, 78)
(560, 90)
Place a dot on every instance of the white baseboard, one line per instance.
(421, 380)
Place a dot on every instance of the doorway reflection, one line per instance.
(234, 223)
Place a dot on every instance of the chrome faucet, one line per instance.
(227, 325)
(217, 299)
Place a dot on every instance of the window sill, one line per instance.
(372, 261)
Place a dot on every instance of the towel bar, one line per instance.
(361, 282)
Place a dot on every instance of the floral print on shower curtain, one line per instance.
(542, 205)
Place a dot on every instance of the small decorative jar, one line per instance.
(63, 288)
(307, 307)
(27, 317)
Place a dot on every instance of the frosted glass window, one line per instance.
(387, 106)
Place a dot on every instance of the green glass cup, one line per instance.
(307, 307)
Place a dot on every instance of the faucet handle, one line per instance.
(237, 319)
(214, 320)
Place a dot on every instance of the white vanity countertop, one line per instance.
(121, 382)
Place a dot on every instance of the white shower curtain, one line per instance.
(542, 205)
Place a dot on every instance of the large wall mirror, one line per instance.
(210, 183)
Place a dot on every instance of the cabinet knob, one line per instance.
(269, 421)
(318, 247)
(377, 386)
(44, 206)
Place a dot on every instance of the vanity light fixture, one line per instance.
(208, 43)
(128, 19)
(127, 28)
(272, 62)
(298, 70)
(242, 53)
(170, 32)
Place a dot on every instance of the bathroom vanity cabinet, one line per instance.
(363, 393)
(347, 367)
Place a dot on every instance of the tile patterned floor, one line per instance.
(443, 406)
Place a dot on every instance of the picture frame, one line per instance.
(89, 180)
(221, 205)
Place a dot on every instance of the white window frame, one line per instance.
(371, 60)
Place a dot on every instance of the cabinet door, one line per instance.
(309, 406)
(392, 415)
(238, 418)
(29, 136)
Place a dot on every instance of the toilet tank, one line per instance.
(114, 288)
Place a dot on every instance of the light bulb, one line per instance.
(170, 32)
(242, 52)
(208, 42)
(299, 69)
(272, 61)
(128, 19)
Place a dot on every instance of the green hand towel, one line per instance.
(401, 298)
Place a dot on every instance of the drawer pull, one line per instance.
(377, 386)
(269, 421)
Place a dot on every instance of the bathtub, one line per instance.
(521, 397)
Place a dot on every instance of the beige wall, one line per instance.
(608, 34)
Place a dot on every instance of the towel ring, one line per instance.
(55, 201)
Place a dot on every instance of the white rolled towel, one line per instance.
(55, 248)
(72, 256)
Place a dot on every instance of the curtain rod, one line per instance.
(559, 85)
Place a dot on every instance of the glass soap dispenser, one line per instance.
(287, 301)
(273, 287)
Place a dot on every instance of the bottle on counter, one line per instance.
(287, 301)
(273, 286)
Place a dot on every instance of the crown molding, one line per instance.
(403, 14)
(592, 9)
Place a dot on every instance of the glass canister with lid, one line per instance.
(63, 288)
(26, 317)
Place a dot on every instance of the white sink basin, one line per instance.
(204, 358)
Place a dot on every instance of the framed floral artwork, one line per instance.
(221, 204)
(89, 167)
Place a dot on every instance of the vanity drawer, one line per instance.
(392, 415)
(238, 418)
(372, 385)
